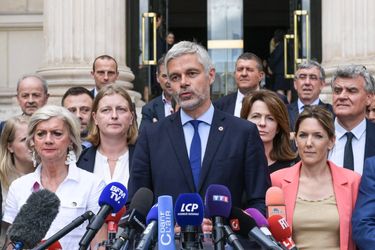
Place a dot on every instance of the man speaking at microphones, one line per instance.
(199, 145)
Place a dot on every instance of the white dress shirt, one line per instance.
(358, 144)
(78, 193)
(121, 173)
(238, 107)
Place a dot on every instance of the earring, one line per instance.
(71, 156)
(33, 158)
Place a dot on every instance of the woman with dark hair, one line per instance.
(268, 112)
(319, 196)
(113, 131)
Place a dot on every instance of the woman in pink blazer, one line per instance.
(319, 195)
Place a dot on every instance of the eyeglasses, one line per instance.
(312, 77)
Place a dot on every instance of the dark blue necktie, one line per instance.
(348, 152)
(195, 153)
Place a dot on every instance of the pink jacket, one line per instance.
(345, 185)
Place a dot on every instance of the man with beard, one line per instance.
(32, 94)
(199, 145)
(79, 100)
(309, 80)
(163, 105)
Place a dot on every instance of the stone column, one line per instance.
(347, 33)
(75, 33)
(348, 36)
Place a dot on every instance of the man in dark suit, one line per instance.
(232, 152)
(309, 80)
(363, 219)
(248, 74)
(352, 90)
(161, 106)
(104, 71)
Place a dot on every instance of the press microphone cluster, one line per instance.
(111, 200)
(134, 219)
(34, 219)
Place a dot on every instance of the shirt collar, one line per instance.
(206, 117)
(73, 174)
(357, 131)
(301, 105)
(240, 97)
(164, 99)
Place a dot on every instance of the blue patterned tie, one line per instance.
(195, 153)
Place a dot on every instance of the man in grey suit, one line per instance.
(161, 106)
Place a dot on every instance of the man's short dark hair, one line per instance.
(76, 91)
(251, 56)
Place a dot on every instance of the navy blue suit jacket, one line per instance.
(363, 220)
(228, 103)
(370, 139)
(86, 160)
(152, 110)
(293, 112)
(234, 157)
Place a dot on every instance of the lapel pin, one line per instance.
(221, 128)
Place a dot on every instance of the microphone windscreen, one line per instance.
(142, 201)
(114, 195)
(218, 201)
(115, 217)
(279, 227)
(34, 218)
(240, 222)
(189, 210)
(260, 220)
(152, 214)
(274, 196)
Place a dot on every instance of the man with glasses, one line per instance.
(309, 80)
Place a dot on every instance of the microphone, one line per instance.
(54, 246)
(149, 235)
(165, 223)
(244, 225)
(111, 200)
(34, 219)
(261, 221)
(281, 231)
(189, 212)
(134, 219)
(112, 221)
(51, 243)
(275, 202)
(218, 203)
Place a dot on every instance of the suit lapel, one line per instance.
(343, 195)
(159, 108)
(215, 137)
(177, 139)
(291, 188)
(370, 139)
(232, 105)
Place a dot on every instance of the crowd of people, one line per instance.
(322, 156)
